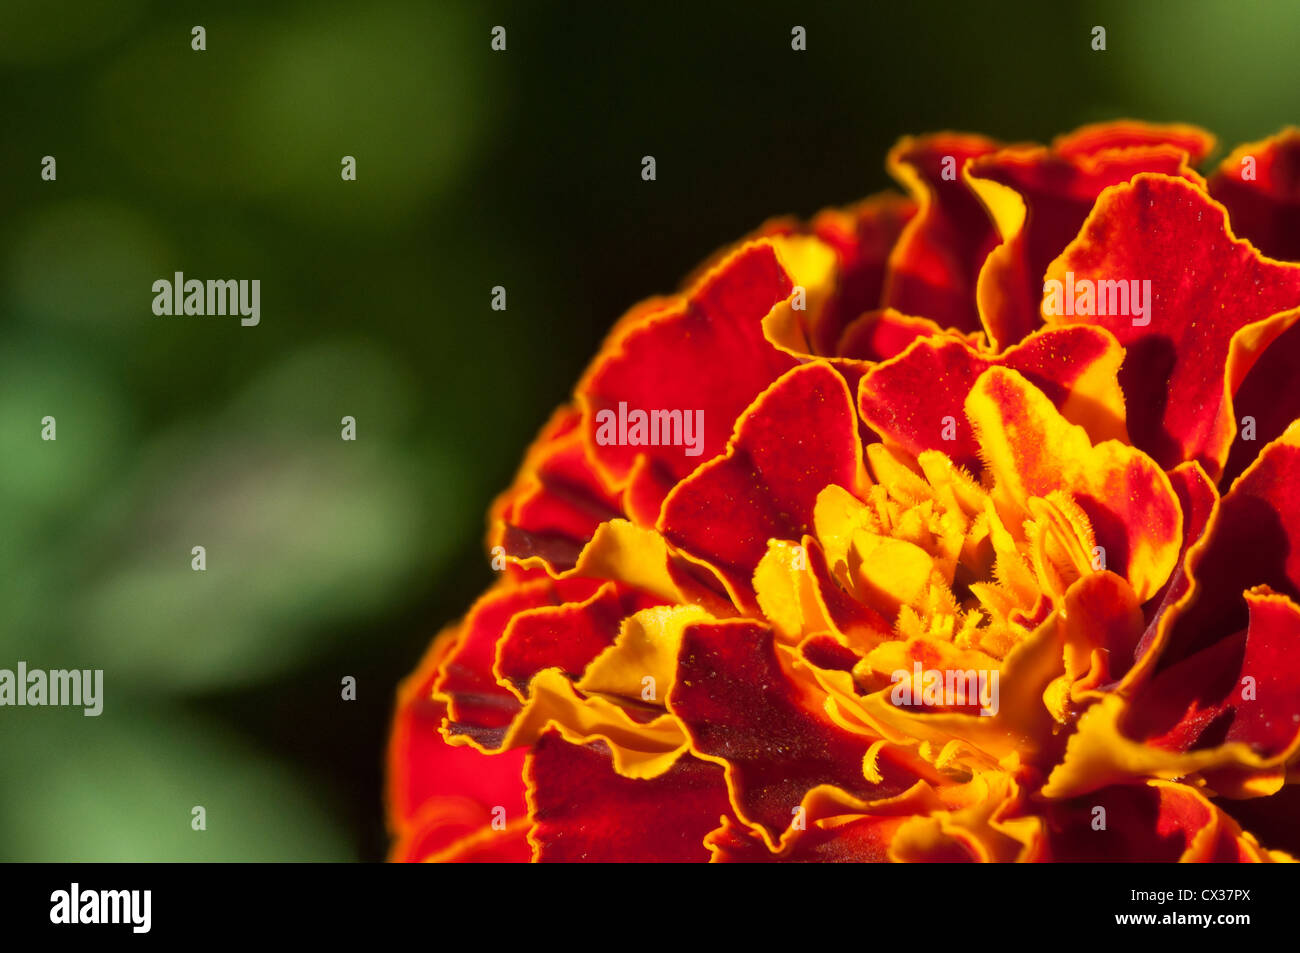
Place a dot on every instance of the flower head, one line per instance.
(959, 525)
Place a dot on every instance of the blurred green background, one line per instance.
(326, 558)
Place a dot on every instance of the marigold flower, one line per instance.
(989, 548)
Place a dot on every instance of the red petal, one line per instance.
(558, 499)
(423, 767)
(1270, 722)
(1253, 539)
(1176, 371)
(933, 268)
(477, 705)
(798, 437)
(1154, 823)
(670, 360)
(490, 846)
(1200, 700)
(647, 486)
(825, 651)
(881, 334)
(863, 840)
(1264, 209)
(740, 708)
(584, 811)
(1195, 698)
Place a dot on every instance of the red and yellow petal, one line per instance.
(479, 708)
(977, 825)
(1040, 198)
(915, 401)
(835, 828)
(883, 333)
(1198, 499)
(1265, 402)
(567, 636)
(1031, 451)
(1241, 689)
(863, 237)
(1215, 304)
(1102, 628)
(935, 264)
(1019, 726)
(799, 436)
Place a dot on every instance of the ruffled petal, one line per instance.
(839, 259)
(1269, 718)
(741, 709)
(1198, 499)
(935, 264)
(584, 811)
(438, 795)
(1133, 134)
(1102, 627)
(1040, 198)
(1259, 185)
(557, 500)
(1253, 539)
(669, 360)
(1213, 306)
(1240, 689)
(1265, 403)
(799, 436)
(567, 637)
(488, 844)
(1018, 727)
(1155, 822)
(976, 825)
(479, 708)
(862, 236)
(836, 828)
(883, 333)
